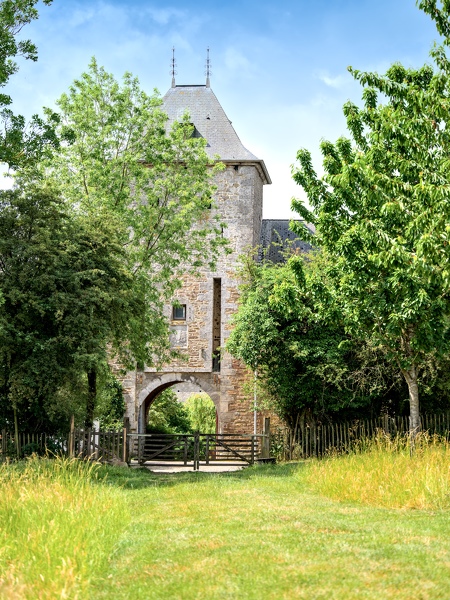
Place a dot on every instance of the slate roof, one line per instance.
(210, 121)
(276, 237)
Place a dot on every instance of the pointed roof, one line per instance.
(211, 122)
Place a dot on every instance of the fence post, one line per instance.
(207, 450)
(4, 442)
(265, 449)
(185, 450)
(196, 451)
(126, 449)
(252, 457)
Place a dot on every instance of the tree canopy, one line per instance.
(168, 415)
(289, 331)
(20, 142)
(143, 193)
(201, 412)
(382, 213)
(66, 293)
(151, 182)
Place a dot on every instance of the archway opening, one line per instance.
(180, 408)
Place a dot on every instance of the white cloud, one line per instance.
(165, 15)
(81, 16)
(236, 61)
(334, 82)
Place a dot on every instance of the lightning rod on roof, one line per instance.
(173, 65)
(208, 72)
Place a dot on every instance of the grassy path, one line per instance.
(262, 534)
(68, 532)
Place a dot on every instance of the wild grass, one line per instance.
(388, 472)
(75, 530)
(57, 528)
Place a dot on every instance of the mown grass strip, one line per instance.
(263, 533)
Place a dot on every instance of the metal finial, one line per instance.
(172, 70)
(208, 72)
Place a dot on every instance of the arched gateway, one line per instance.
(157, 384)
(200, 319)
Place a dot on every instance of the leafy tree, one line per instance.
(152, 185)
(168, 415)
(20, 142)
(156, 182)
(201, 412)
(288, 330)
(382, 214)
(65, 295)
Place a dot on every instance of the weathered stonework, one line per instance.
(211, 298)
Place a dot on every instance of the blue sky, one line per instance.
(279, 69)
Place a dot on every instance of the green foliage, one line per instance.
(382, 212)
(153, 185)
(65, 293)
(122, 172)
(136, 204)
(168, 415)
(111, 405)
(201, 412)
(288, 330)
(20, 143)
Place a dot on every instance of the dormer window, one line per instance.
(195, 132)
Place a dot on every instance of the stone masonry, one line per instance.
(206, 303)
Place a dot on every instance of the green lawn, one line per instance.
(260, 533)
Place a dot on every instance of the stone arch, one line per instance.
(157, 383)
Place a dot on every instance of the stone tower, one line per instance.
(200, 322)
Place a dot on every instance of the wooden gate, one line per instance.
(194, 450)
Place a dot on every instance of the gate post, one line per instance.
(207, 450)
(126, 448)
(140, 442)
(185, 450)
(196, 451)
(265, 450)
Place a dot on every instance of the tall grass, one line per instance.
(67, 532)
(57, 528)
(388, 473)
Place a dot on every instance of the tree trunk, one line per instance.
(410, 376)
(91, 398)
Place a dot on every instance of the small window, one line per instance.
(179, 312)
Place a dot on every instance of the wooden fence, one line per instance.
(83, 443)
(305, 441)
(98, 445)
(29, 443)
(322, 438)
